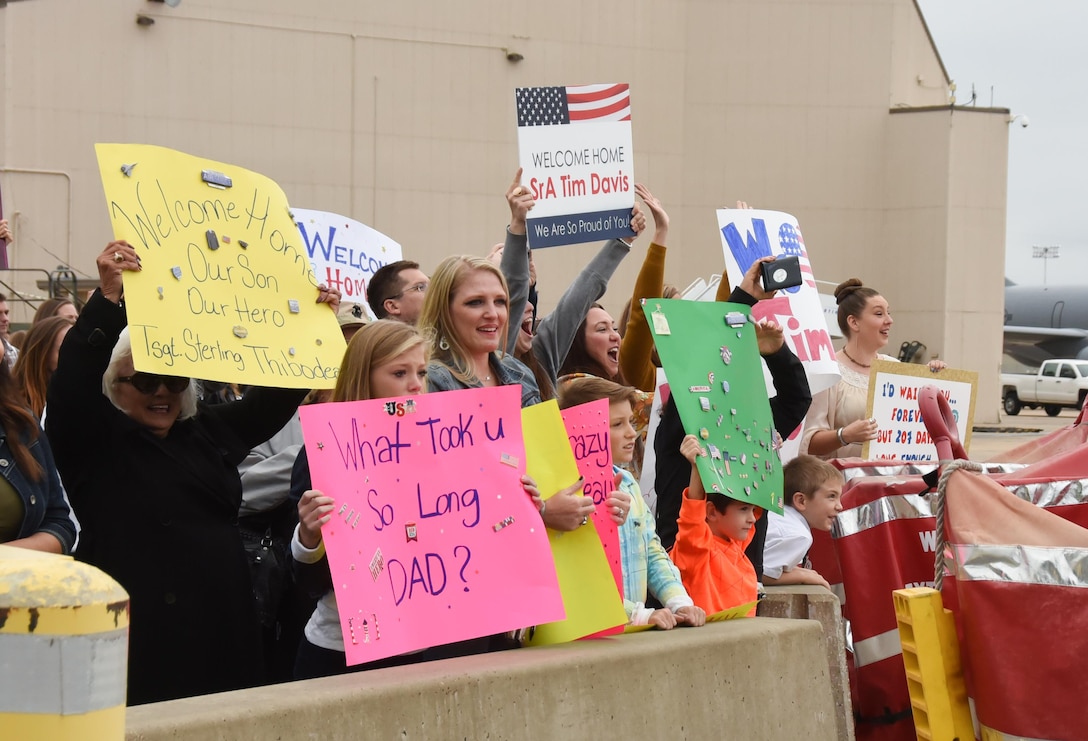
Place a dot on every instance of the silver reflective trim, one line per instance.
(1023, 564)
(877, 648)
(62, 675)
(839, 590)
(914, 506)
(913, 469)
(989, 734)
(1053, 493)
(883, 510)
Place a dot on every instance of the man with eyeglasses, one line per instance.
(396, 291)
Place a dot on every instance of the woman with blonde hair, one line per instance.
(38, 360)
(385, 358)
(466, 312)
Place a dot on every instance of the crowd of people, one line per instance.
(171, 486)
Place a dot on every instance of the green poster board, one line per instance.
(711, 359)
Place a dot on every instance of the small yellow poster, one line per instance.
(226, 291)
(590, 597)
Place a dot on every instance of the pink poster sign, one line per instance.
(588, 432)
(433, 540)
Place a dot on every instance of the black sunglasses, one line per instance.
(148, 383)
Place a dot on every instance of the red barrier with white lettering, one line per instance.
(884, 541)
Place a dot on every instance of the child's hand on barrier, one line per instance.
(663, 619)
(692, 615)
(810, 576)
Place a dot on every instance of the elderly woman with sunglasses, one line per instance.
(153, 476)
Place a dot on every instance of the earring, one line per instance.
(443, 344)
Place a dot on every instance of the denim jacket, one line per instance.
(44, 502)
(646, 566)
(508, 369)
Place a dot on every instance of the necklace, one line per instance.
(860, 365)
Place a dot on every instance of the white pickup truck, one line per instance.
(1058, 384)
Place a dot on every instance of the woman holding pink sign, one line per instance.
(384, 359)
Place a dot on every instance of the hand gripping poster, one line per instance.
(747, 235)
(345, 253)
(225, 291)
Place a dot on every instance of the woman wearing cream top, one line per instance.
(836, 426)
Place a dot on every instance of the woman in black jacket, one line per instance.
(153, 476)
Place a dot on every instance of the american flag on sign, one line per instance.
(548, 106)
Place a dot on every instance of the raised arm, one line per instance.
(637, 347)
(76, 402)
(263, 412)
(515, 256)
(556, 332)
(793, 396)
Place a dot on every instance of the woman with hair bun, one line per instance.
(836, 426)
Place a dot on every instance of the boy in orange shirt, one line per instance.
(713, 531)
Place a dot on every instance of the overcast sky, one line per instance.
(1034, 55)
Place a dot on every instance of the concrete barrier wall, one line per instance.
(799, 602)
(754, 679)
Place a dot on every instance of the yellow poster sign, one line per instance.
(226, 291)
(590, 597)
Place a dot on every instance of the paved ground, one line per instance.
(987, 445)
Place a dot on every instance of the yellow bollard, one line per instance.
(931, 659)
(63, 649)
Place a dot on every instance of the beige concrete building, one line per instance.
(401, 115)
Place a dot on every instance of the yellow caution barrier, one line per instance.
(63, 649)
(931, 658)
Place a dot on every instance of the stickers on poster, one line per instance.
(433, 539)
(225, 291)
(716, 378)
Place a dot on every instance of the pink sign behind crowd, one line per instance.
(433, 539)
(588, 432)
